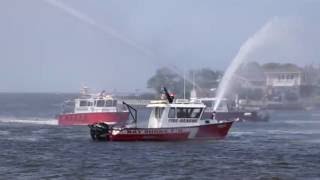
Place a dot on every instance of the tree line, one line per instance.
(205, 81)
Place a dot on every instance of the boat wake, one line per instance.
(241, 133)
(4, 132)
(315, 115)
(301, 121)
(297, 132)
(31, 121)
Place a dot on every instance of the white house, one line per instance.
(284, 80)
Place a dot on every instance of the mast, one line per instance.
(193, 93)
(184, 84)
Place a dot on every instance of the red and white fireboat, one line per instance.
(90, 109)
(170, 120)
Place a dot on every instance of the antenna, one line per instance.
(184, 84)
(193, 80)
(193, 93)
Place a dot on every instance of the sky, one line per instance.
(118, 45)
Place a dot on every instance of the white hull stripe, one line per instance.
(193, 132)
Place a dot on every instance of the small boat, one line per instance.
(170, 120)
(224, 112)
(91, 108)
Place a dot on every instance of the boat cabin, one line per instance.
(98, 104)
(179, 113)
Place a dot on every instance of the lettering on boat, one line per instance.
(152, 131)
(183, 120)
(222, 126)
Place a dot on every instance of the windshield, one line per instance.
(189, 112)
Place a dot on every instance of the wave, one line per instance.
(299, 121)
(315, 114)
(31, 121)
(313, 141)
(294, 132)
(24, 138)
(241, 133)
(4, 132)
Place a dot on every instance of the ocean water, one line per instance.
(32, 146)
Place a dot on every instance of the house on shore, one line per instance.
(284, 81)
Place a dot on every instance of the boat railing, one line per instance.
(67, 106)
(133, 112)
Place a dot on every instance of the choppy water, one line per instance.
(34, 147)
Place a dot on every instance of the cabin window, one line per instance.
(114, 102)
(182, 112)
(189, 112)
(158, 112)
(100, 103)
(196, 112)
(108, 103)
(172, 113)
(288, 76)
(291, 76)
(83, 103)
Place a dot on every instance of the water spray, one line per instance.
(105, 29)
(247, 47)
(109, 32)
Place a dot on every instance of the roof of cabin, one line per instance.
(177, 103)
(211, 99)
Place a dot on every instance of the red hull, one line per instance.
(210, 131)
(91, 118)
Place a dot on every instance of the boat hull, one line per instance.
(209, 131)
(91, 118)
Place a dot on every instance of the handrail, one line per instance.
(134, 117)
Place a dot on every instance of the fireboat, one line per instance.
(169, 120)
(92, 108)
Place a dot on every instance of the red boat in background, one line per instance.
(90, 109)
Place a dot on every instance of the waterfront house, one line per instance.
(284, 81)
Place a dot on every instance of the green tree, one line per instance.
(165, 77)
(205, 79)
